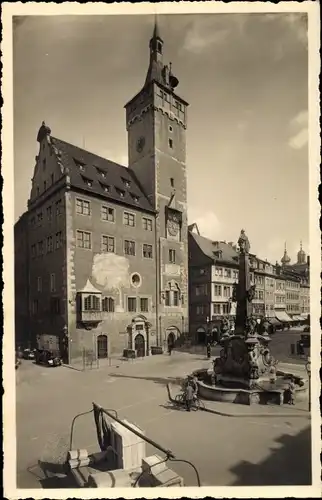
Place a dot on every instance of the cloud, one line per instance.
(198, 38)
(299, 125)
(295, 22)
(207, 222)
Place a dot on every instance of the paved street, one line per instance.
(225, 450)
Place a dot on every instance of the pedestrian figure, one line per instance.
(292, 388)
(170, 347)
(189, 396)
(208, 350)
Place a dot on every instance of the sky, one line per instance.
(245, 77)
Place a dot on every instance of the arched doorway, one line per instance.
(139, 345)
(171, 339)
(102, 348)
(201, 336)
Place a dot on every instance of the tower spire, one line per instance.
(156, 31)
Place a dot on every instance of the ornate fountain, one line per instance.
(246, 372)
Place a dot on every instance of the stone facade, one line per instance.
(108, 265)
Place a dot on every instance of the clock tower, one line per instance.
(156, 120)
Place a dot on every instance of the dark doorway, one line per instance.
(171, 339)
(139, 345)
(201, 337)
(102, 349)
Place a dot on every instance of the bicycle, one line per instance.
(196, 404)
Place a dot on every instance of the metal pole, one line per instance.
(137, 433)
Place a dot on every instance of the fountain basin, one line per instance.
(265, 393)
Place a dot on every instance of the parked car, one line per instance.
(29, 354)
(47, 357)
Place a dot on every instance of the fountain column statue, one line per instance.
(245, 291)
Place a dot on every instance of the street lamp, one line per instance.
(308, 371)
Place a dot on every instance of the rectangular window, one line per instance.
(131, 304)
(172, 256)
(175, 298)
(167, 298)
(52, 282)
(200, 310)
(108, 244)
(92, 303)
(35, 306)
(52, 179)
(217, 290)
(147, 224)
(45, 185)
(83, 207)
(55, 305)
(33, 251)
(129, 247)
(217, 308)
(225, 308)
(172, 182)
(108, 304)
(147, 251)
(39, 284)
(40, 248)
(49, 213)
(144, 305)
(201, 289)
(44, 164)
(128, 219)
(59, 207)
(108, 213)
(227, 273)
(226, 291)
(59, 239)
(50, 244)
(39, 217)
(84, 240)
(170, 143)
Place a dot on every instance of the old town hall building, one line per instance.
(101, 258)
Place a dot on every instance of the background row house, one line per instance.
(282, 292)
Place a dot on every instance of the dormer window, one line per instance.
(126, 182)
(79, 164)
(101, 172)
(105, 187)
(134, 197)
(120, 192)
(88, 181)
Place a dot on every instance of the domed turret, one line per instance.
(301, 255)
(285, 259)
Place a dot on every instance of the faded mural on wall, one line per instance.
(112, 273)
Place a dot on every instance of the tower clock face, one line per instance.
(140, 144)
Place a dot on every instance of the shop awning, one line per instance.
(304, 315)
(297, 318)
(283, 317)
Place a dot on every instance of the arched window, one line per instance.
(108, 304)
(92, 303)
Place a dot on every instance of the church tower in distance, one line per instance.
(156, 120)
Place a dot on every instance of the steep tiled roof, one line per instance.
(218, 251)
(96, 175)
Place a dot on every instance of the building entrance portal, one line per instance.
(171, 339)
(102, 346)
(139, 345)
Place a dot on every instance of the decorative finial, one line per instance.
(301, 245)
